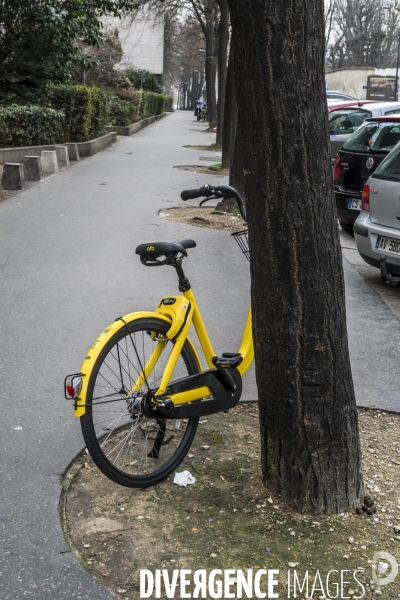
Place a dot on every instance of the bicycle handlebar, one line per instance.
(193, 194)
(221, 191)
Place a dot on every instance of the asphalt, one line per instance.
(67, 269)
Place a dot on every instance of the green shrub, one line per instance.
(169, 101)
(131, 95)
(125, 107)
(30, 125)
(160, 104)
(128, 106)
(86, 110)
(153, 104)
(142, 79)
(123, 112)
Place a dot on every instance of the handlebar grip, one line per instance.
(192, 194)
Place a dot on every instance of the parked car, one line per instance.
(336, 104)
(333, 95)
(358, 158)
(377, 228)
(343, 122)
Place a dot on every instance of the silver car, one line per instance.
(377, 228)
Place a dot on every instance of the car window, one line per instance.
(346, 121)
(385, 137)
(390, 167)
(358, 142)
(393, 112)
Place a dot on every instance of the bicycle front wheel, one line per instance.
(128, 447)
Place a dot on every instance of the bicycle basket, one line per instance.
(242, 238)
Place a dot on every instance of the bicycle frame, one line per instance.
(192, 315)
(179, 312)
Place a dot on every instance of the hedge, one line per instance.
(30, 125)
(77, 113)
(152, 104)
(169, 101)
(125, 107)
(86, 110)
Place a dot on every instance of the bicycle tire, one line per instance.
(115, 447)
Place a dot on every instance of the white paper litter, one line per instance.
(184, 479)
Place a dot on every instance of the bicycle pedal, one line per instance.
(227, 360)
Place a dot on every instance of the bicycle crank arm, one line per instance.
(222, 399)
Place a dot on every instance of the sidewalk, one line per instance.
(67, 269)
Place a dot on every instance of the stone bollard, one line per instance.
(62, 156)
(13, 176)
(73, 151)
(33, 168)
(49, 162)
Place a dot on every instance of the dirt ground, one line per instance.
(228, 519)
(202, 169)
(211, 147)
(204, 217)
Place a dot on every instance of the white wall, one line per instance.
(142, 42)
(352, 81)
(349, 81)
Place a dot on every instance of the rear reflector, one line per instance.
(365, 198)
(337, 171)
(73, 386)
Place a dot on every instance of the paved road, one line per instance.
(68, 268)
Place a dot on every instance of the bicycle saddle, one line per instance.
(149, 252)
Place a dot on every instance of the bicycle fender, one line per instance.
(98, 346)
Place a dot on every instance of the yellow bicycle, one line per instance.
(142, 388)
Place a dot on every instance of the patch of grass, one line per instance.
(216, 167)
(216, 438)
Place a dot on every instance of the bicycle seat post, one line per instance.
(184, 284)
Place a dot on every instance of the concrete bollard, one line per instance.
(73, 151)
(33, 168)
(13, 176)
(49, 162)
(1, 191)
(62, 156)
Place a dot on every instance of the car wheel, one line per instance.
(347, 227)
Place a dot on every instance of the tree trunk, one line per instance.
(308, 419)
(223, 41)
(229, 113)
(211, 63)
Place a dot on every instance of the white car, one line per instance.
(333, 95)
(377, 228)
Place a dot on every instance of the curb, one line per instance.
(135, 127)
(89, 148)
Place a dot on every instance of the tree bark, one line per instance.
(223, 41)
(211, 61)
(308, 419)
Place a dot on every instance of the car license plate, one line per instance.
(388, 245)
(354, 204)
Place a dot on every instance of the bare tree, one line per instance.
(223, 42)
(330, 6)
(366, 33)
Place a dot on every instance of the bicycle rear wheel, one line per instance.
(128, 447)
